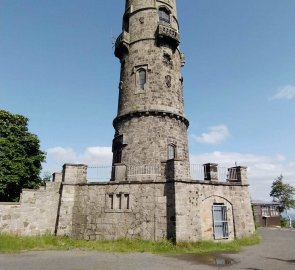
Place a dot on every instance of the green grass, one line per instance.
(12, 243)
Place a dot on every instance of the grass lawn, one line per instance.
(12, 243)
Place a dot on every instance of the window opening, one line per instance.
(164, 16)
(118, 155)
(111, 201)
(274, 211)
(126, 24)
(269, 211)
(171, 151)
(126, 196)
(141, 78)
(119, 201)
(265, 211)
(117, 149)
(166, 58)
(220, 223)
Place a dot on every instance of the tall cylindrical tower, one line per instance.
(150, 126)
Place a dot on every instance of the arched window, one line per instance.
(171, 151)
(164, 16)
(141, 78)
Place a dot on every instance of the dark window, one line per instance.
(118, 155)
(220, 223)
(164, 16)
(171, 151)
(118, 202)
(126, 196)
(119, 199)
(117, 152)
(141, 78)
(126, 24)
(111, 201)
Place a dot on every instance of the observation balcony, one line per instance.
(122, 44)
(167, 34)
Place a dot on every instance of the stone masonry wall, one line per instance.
(179, 210)
(113, 211)
(194, 201)
(147, 141)
(35, 214)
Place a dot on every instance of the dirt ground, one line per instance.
(276, 251)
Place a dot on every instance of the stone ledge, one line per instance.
(150, 113)
(189, 181)
(120, 211)
(10, 203)
(215, 183)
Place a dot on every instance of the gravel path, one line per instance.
(276, 251)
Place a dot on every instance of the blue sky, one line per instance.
(57, 67)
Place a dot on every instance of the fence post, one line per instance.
(74, 173)
(57, 177)
(211, 171)
(242, 176)
(119, 172)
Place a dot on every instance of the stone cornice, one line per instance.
(188, 181)
(150, 113)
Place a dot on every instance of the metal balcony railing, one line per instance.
(196, 171)
(223, 174)
(149, 169)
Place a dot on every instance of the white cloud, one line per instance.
(97, 155)
(286, 92)
(262, 169)
(61, 153)
(215, 135)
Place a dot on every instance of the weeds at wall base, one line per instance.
(13, 244)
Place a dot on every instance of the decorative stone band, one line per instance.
(150, 113)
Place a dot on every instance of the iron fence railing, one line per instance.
(99, 173)
(201, 172)
(197, 172)
(148, 169)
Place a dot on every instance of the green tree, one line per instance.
(20, 156)
(283, 194)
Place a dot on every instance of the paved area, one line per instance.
(277, 251)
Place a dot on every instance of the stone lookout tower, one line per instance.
(150, 127)
(154, 193)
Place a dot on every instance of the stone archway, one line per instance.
(208, 225)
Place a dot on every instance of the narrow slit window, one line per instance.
(126, 24)
(119, 201)
(111, 201)
(141, 78)
(171, 151)
(127, 200)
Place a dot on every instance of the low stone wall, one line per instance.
(35, 214)
(180, 210)
(194, 202)
(113, 211)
